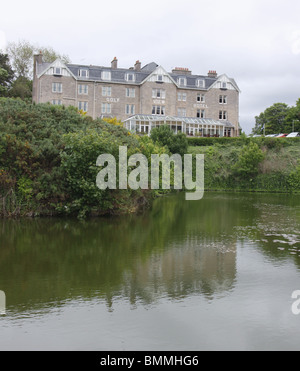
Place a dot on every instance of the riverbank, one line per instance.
(258, 165)
(48, 162)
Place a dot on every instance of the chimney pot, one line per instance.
(137, 65)
(114, 63)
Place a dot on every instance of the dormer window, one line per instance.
(83, 73)
(57, 71)
(106, 75)
(130, 77)
(223, 85)
(200, 83)
(182, 81)
(159, 78)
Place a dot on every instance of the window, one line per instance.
(158, 93)
(181, 112)
(57, 71)
(130, 109)
(106, 108)
(130, 92)
(159, 78)
(182, 97)
(83, 106)
(83, 89)
(83, 73)
(182, 81)
(130, 76)
(223, 85)
(56, 102)
(56, 87)
(106, 75)
(158, 110)
(223, 99)
(200, 98)
(201, 113)
(222, 115)
(200, 83)
(106, 91)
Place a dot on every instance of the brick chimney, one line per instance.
(181, 71)
(137, 65)
(37, 59)
(212, 74)
(114, 63)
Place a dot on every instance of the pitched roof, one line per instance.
(118, 75)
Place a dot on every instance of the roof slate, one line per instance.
(118, 75)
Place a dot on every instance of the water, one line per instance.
(213, 274)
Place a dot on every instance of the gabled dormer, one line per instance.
(225, 83)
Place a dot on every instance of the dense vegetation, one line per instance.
(48, 161)
(278, 118)
(252, 164)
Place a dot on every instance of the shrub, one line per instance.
(249, 159)
(176, 143)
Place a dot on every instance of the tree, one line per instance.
(292, 119)
(249, 159)
(176, 143)
(21, 55)
(272, 120)
(21, 88)
(6, 74)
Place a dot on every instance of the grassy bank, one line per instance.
(258, 164)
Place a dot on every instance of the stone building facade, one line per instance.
(149, 90)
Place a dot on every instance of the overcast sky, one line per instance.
(257, 42)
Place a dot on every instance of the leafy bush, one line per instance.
(164, 135)
(248, 161)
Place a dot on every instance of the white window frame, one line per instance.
(83, 89)
(55, 88)
(158, 93)
(81, 73)
(57, 71)
(56, 102)
(181, 97)
(158, 110)
(128, 75)
(106, 75)
(223, 99)
(130, 92)
(160, 78)
(105, 108)
(106, 91)
(200, 97)
(222, 115)
(83, 105)
(200, 83)
(181, 81)
(130, 109)
(200, 113)
(181, 112)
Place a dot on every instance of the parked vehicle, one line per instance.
(293, 135)
(271, 135)
(281, 136)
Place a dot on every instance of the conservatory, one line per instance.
(191, 126)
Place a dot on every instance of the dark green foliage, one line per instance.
(6, 74)
(249, 159)
(48, 161)
(176, 143)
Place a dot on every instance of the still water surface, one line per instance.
(213, 274)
